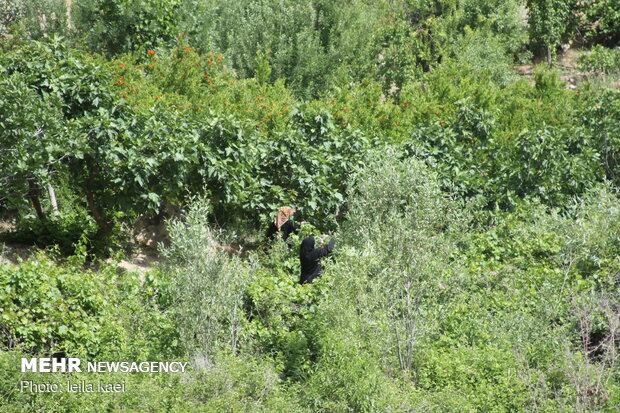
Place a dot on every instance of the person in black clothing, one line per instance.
(309, 258)
(284, 223)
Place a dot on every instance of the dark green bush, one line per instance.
(117, 26)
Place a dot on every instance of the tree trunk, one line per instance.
(34, 194)
(69, 4)
(105, 226)
(52, 192)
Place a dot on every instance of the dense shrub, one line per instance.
(600, 113)
(601, 21)
(117, 26)
(601, 59)
(35, 18)
(550, 23)
(64, 309)
(206, 287)
(310, 44)
(144, 156)
(476, 263)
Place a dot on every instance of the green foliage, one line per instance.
(72, 91)
(601, 59)
(600, 113)
(48, 308)
(206, 287)
(310, 44)
(39, 290)
(143, 156)
(66, 232)
(535, 248)
(34, 19)
(550, 23)
(348, 377)
(28, 121)
(484, 53)
(477, 255)
(477, 376)
(383, 194)
(11, 12)
(494, 159)
(552, 166)
(117, 26)
(240, 384)
(398, 211)
(405, 54)
(603, 17)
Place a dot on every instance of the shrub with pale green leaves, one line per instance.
(206, 286)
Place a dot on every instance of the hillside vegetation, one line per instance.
(475, 207)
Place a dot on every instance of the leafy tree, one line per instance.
(103, 145)
(601, 21)
(551, 22)
(28, 122)
(117, 26)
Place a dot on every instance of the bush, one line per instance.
(65, 309)
(493, 159)
(34, 19)
(346, 377)
(309, 44)
(483, 52)
(118, 26)
(601, 59)
(206, 287)
(603, 17)
(241, 384)
(600, 114)
(66, 232)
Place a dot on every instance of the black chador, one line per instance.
(309, 258)
(288, 228)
